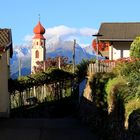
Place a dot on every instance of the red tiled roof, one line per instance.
(39, 30)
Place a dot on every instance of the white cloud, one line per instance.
(64, 33)
(84, 45)
(68, 33)
(22, 51)
(87, 31)
(28, 38)
(61, 30)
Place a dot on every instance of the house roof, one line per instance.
(119, 31)
(6, 41)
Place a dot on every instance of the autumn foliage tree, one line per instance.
(102, 46)
(51, 63)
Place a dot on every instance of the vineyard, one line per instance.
(40, 87)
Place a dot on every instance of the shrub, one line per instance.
(81, 70)
(132, 105)
(116, 89)
(135, 48)
(134, 124)
(97, 85)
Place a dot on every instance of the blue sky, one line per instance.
(22, 15)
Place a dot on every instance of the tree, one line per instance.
(81, 70)
(51, 63)
(135, 48)
(102, 46)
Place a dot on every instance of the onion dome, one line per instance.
(39, 30)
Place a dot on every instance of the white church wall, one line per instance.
(36, 46)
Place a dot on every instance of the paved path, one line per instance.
(44, 129)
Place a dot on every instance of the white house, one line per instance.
(6, 52)
(120, 36)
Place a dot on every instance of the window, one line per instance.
(41, 43)
(37, 54)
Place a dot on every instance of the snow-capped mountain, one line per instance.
(59, 48)
(65, 48)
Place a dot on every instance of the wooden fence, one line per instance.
(100, 67)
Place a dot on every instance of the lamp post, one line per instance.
(97, 59)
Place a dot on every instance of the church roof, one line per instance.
(126, 31)
(39, 30)
(6, 41)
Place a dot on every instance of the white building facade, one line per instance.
(119, 50)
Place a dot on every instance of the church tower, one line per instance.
(38, 50)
